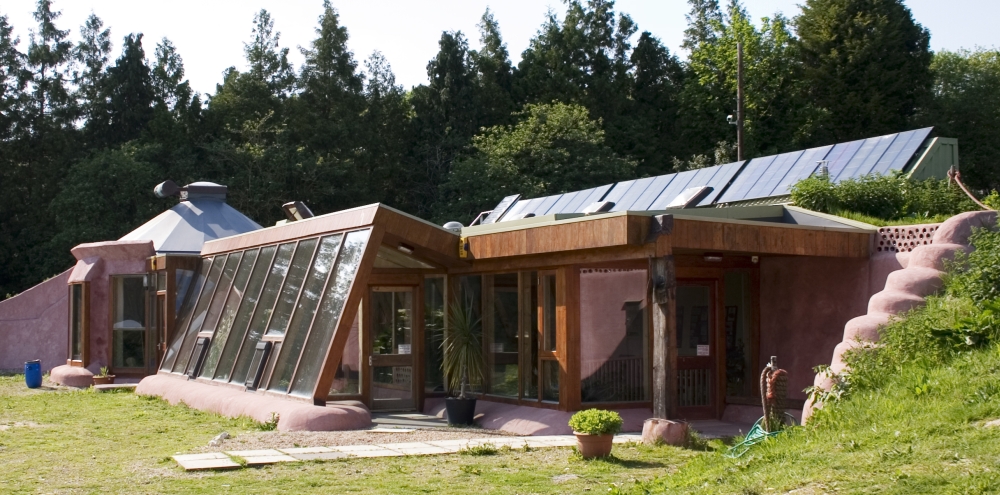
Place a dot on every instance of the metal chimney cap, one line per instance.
(204, 190)
(453, 226)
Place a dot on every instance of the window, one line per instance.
(79, 324)
(347, 378)
(501, 328)
(434, 318)
(128, 322)
(614, 335)
(739, 353)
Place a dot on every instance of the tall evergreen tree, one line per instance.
(171, 91)
(128, 94)
(867, 64)
(267, 60)
(651, 128)
(12, 84)
(494, 74)
(91, 55)
(50, 54)
(384, 128)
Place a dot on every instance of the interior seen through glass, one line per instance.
(501, 327)
(739, 367)
(200, 311)
(261, 315)
(247, 303)
(614, 335)
(76, 325)
(693, 320)
(129, 322)
(186, 300)
(347, 378)
(434, 318)
(233, 300)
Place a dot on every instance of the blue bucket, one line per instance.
(33, 373)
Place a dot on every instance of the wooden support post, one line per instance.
(663, 295)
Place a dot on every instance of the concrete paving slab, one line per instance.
(321, 456)
(306, 450)
(367, 451)
(199, 462)
(449, 443)
(269, 459)
(556, 440)
(355, 448)
(383, 429)
(253, 453)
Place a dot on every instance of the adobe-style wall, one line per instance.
(804, 304)
(33, 325)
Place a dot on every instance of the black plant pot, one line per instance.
(460, 411)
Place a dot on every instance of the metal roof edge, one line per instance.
(834, 218)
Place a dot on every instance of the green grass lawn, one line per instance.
(86, 442)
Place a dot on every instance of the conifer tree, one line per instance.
(494, 74)
(129, 96)
(91, 55)
(49, 56)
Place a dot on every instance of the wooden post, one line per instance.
(663, 295)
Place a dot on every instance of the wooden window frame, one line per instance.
(84, 326)
(112, 299)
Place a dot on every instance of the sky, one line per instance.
(209, 34)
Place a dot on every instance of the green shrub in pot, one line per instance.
(596, 422)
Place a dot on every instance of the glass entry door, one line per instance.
(391, 358)
(697, 350)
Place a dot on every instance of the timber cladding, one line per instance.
(600, 232)
(766, 239)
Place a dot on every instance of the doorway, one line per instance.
(392, 351)
(697, 350)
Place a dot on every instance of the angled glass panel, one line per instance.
(302, 318)
(899, 154)
(245, 311)
(330, 309)
(804, 167)
(564, 201)
(723, 176)
(616, 193)
(186, 303)
(282, 259)
(200, 310)
(544, 207)
(532, 206)
(773, 175)
(587, 197)
(225, 286)
(675, 187)
(841, 154)
(291, 288)
(233, 300)
(906, 155)
(747, 178)
(645, 200)
(633, 193)
(850, 170)
(881, 145)
(514, 210)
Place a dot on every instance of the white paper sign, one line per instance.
(403, 349)
(703, 350)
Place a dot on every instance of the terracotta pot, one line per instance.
(104, 380)
(591, 446)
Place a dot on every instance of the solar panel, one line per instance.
(564, 201)
(722, 177)
(546, 204)
(772, 175)
(675, 187)
(659, 183)
(501, 208)
(841, 154)
(530, 205)
(905, 156)
(633, 193)
(807, 163)
(596, 194)
(901, 150)
(516, 209)
(746, 179)
(881, 146)
(616, 193)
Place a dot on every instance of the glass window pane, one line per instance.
(530, 351)
(200, 311)
(189, 288)
(550, 380)
(76, 325)
(264, 306)
(128, 322)
(501, 326)
(693, 318)
(391, 322)
(434, 311)
(549, 313)
(233, 301)
(739, 371)
(330, 309)
(290, 290)
(347, 379)
(302, 318)
(470, 296)
(225, 288)
(243, 314)
(392, 383)
(614, 338)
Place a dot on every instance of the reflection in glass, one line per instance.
(392, 328)
(244, 312)
(531, 338)
(470, 296)
(128, 321)
(233, 301)
(549, 313)
(330, 309)
(693, 320)
(304, 311)
(263, 312)
(225, 286)
(391, 383)
(76, 323)
(347, 379)
(290, 290)
(200, 311)
(434, 311)
(501, 325)
(739, 370)
(186, 300)
(550, 380)
(613, 335)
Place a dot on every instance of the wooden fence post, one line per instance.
(663, 295)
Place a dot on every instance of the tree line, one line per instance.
(85, 135)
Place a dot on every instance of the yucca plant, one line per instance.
(463, 351)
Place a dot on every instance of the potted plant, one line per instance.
(462, 362)
(595, 430)
(103, 378)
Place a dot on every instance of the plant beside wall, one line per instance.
(462, 362)
(595, 431)
(104, 378)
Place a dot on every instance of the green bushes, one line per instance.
(977, 274)
(596, 422)
(882, 197)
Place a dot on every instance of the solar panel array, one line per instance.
(759, 178)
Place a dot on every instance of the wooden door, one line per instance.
(697, 349)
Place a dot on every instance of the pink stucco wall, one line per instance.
(805, 302)
(33, 325)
